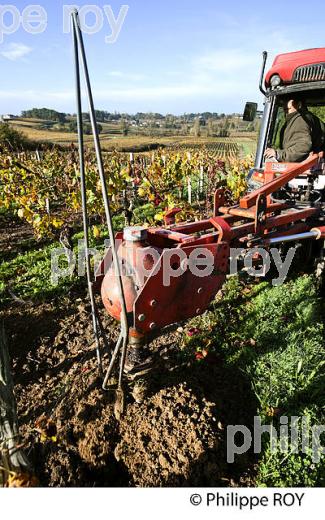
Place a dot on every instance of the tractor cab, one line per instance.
(300, 74)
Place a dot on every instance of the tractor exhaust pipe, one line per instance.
(262, 73)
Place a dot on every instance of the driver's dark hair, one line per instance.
(297, 99)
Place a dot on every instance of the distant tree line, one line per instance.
(45, 113)
(210, 124)
(104, 116)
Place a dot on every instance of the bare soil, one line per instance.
(175, 435)
(14, 237)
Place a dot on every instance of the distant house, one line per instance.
(7, 117)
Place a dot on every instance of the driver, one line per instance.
(302, 133)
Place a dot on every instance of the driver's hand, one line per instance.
(270, 153)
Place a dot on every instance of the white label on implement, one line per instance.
(278, 167)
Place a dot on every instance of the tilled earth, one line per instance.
(175, 435)
(173, 432)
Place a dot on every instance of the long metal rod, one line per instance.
(124, 314)
(84, 198)
(293, 238)
(101, 167)
(123, 359)
(264, 131)
(113, 360)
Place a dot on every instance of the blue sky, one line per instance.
(170, 56)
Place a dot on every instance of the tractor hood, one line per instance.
(298, 67)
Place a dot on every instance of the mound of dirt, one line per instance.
(174, 437)
(166, 437)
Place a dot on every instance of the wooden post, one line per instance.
(201, 183)
(13, 461)
(189, 189)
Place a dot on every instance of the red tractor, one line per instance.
(297, 74)
(151, 278)
(285, 204)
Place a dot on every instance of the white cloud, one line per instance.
(216, 79)
(38, 96)
(111, 94)
(183, 91)
(116, 74)
(225, 61)
(151, 93)
(126, 76)
(15, 51)
(212, 79)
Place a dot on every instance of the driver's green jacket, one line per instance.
(301, 134)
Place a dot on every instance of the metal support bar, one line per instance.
(293, 238)
(276, 222)
(124, 317)
(84, 201)
(113, 360)
(251, 213)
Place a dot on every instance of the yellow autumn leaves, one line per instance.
(46, 194)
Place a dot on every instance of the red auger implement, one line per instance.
(171, 291)
(154, 277)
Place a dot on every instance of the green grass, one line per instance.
(28, 277)
(275, 336)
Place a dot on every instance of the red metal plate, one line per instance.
(187, 295)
